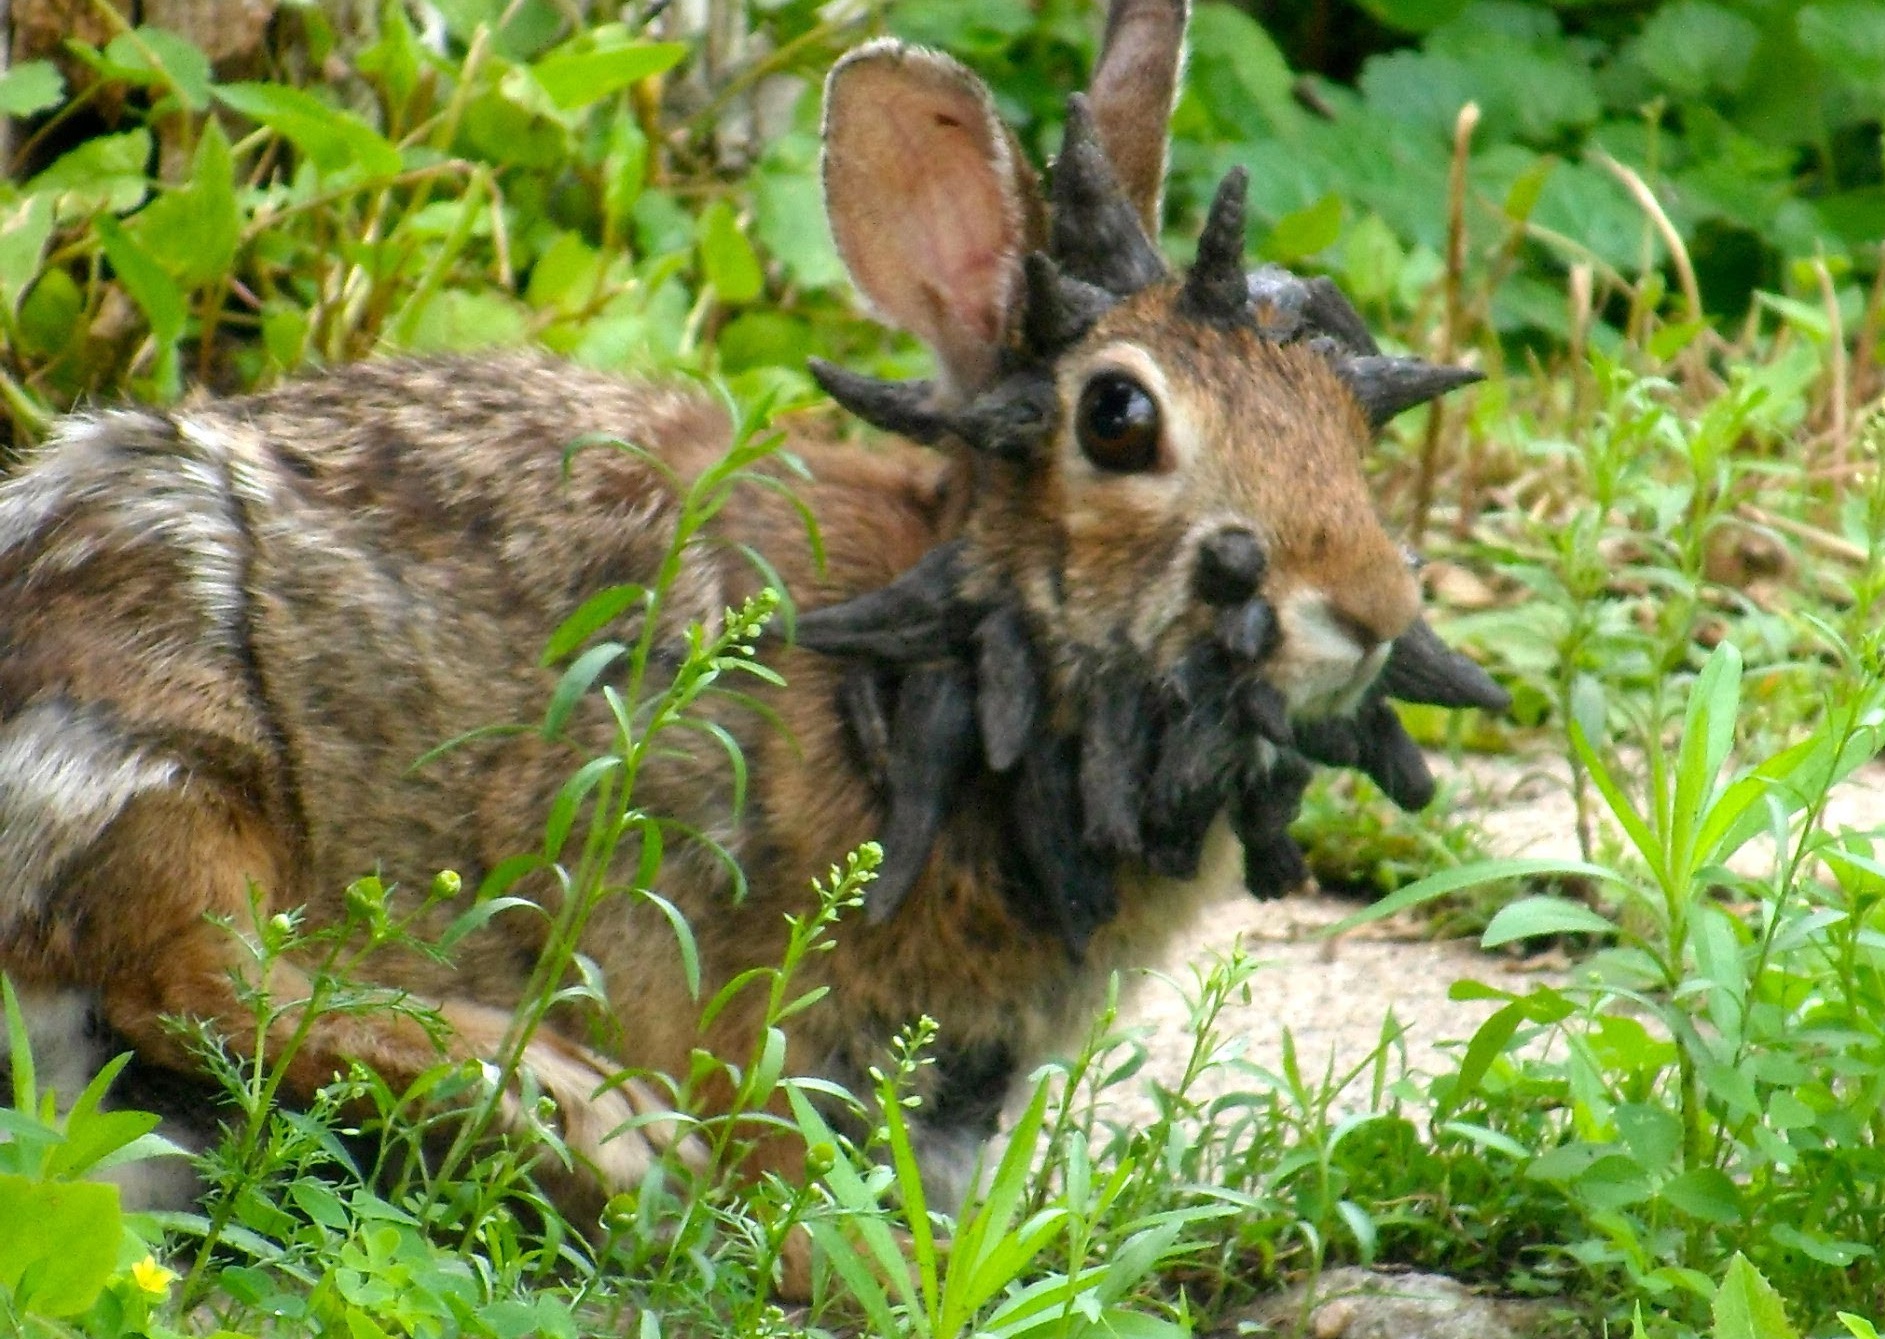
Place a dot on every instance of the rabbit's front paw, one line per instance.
(614, 1130)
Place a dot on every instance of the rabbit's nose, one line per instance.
(1230, 568)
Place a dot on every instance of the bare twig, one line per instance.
(1833, 546)
(1449, 329)
(1840, 426)
(1865, 354)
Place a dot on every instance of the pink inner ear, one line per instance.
(923, 204)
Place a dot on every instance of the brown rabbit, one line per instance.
(1054, 665)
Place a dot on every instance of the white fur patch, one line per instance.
(181, 494)
(65, 1046)
(1320, 667)
(64, 776)
(68, 1051)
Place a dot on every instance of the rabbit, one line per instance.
(1078, 628)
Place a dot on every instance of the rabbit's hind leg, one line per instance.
(151, 909)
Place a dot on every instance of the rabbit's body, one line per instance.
(312, 588)
(1047, 665)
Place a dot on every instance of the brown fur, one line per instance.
(228, 632)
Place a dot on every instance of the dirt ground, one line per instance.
(1334, 994)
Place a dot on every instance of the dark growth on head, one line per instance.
(1155, 755)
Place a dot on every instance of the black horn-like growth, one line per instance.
(1389, 386)
(1216, 289)
(1097, 236)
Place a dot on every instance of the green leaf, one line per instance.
(1415, 16)
(1818, 1246)
(24, 229)
(1696, 48)
(105, 172)
(1302, 234)
(1468, 876)
(1706, 1193)
(1849, 36)
(1532, 916)
(591, 616)
(726, 257)
(29, 87)
(578, 78)
(58, 1242)
(158, 56)
(192, 231)
(1747, 1307)
(1240, 74)
(335, 141)
(145, 280)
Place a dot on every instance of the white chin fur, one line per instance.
(1320, 668)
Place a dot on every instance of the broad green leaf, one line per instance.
(29, 87)
(1306, 232)
(1652, 1135)
(1705, 1193)
(58, 1242)
(105, 172)
(1849, 36)
(24, 229)
(1747, 1307)
(726, 257)
(577, 78)
(1696, 48)
(1818, 1246)
(192, 230)
(1237, 67)
(161, 57)
(1532, 916)
(334, 140)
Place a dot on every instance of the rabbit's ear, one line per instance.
(930, 205)
(1133, 89)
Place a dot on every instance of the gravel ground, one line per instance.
(1334, 994)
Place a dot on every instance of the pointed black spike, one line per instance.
(932, 748)
(919, 616)
(1096, 233)
(1267, 802)
(1070, 883)
(1216, 289)
(906, 408)
(1422, 668)
(1265, 710)
(861, 694)
(1388, 386)
(1060, 309)
(1391, 759)
(1115, 751)
(1007, 686)
(1198, 758)
(1329, 311)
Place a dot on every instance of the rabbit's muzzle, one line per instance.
(1318, 654)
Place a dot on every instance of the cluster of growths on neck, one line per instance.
(947, 697)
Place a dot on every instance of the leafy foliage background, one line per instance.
(477, 171)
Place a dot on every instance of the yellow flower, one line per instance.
(152, 1277)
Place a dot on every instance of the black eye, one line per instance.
(1118, 424)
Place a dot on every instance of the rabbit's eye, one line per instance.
(1118, 424)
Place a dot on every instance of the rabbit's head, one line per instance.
(1169, 553)
(1163, 459)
